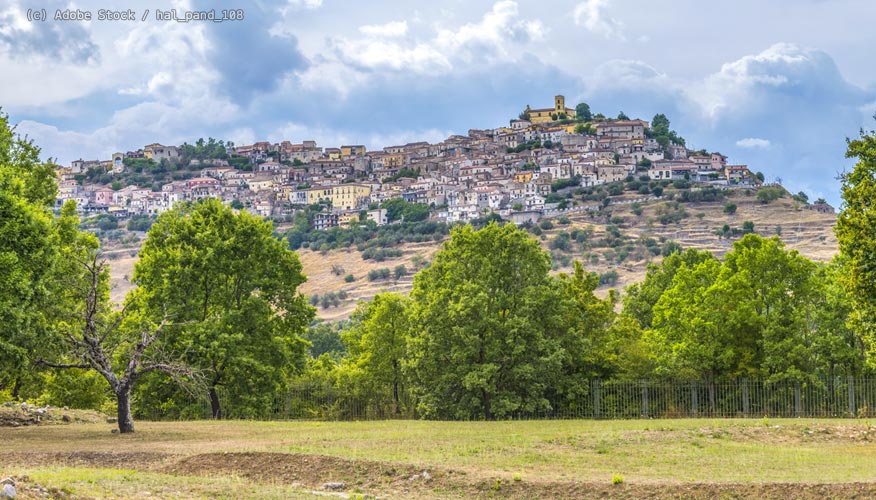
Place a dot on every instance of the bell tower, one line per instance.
(559, 104)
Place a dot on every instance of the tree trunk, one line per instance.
(214, 404)
(16, 388)
(395, 396)
(126, 422)
(488, 411)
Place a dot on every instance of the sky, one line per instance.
(775, 84)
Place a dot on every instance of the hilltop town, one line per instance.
(513, 171)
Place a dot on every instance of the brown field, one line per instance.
(807, 231)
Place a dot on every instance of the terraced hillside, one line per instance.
(623, 239)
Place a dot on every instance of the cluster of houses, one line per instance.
(507, 170)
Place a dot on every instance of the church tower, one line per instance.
(559, 104)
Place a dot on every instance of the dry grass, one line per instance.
(807, 231)
(800, 458)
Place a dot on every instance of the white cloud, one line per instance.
(389, 30)
(496, 37)
(752, 143)
(304, 4)
(590, 14)
(784, 67)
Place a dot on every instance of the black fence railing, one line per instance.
(742, 398)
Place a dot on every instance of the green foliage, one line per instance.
(769, 194)
(660, 132)
(235, 287)
(856, 233)
(349, 278)
(729, 208)
(583, 113)
(480, 346)
(403, 172)
(378, 345)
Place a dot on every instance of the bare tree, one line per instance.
(98, 343)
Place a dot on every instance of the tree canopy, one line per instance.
(235, 287)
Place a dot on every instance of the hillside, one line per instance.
(616, 239)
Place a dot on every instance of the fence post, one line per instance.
(595, 392)
(746, 404)
(798, 401)
(853, 410)
(694, 398)
(644, 399)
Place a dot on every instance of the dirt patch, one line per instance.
(390, 480)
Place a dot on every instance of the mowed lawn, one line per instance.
(647, 452)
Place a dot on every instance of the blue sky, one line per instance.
(777, 84)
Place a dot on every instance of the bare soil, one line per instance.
(388, 480)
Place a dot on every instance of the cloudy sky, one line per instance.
(775, 84)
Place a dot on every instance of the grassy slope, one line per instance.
(807, 231)
(648, 453)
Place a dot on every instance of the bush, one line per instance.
(561, 242)
(747, 227)
(337, 270)
(376, 274)
(349, 278)
(608, 277)
(730, 208)
(767, 195)
(617, 479)
(546, 225)
(399, 271)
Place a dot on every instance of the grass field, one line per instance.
(533, 459)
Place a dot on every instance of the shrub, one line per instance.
(617, 479)
(730, 208)
(767, 195)
(349, 278)
(337, 270)
(608, 277)
(399, 271)
(547, 225)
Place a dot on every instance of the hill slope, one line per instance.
(618, 242)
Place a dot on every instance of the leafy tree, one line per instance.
(622, 116)
(729, 208)
(582, 112)
(583, 321)
(378, 344)
(30, 240)
(235, 286)
(325, 338)
(121, 346)
(640, 298)
(236, 204)
(480, 346)
(856, 232)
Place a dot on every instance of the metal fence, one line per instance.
(743, 398)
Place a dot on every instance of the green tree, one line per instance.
(235, 287)
(480, 346)
(378, 344)
(582, 112)
(640, 298)
(856, 233)
(30, 240)
(729, 208)
(622, 116)
(583, 322)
